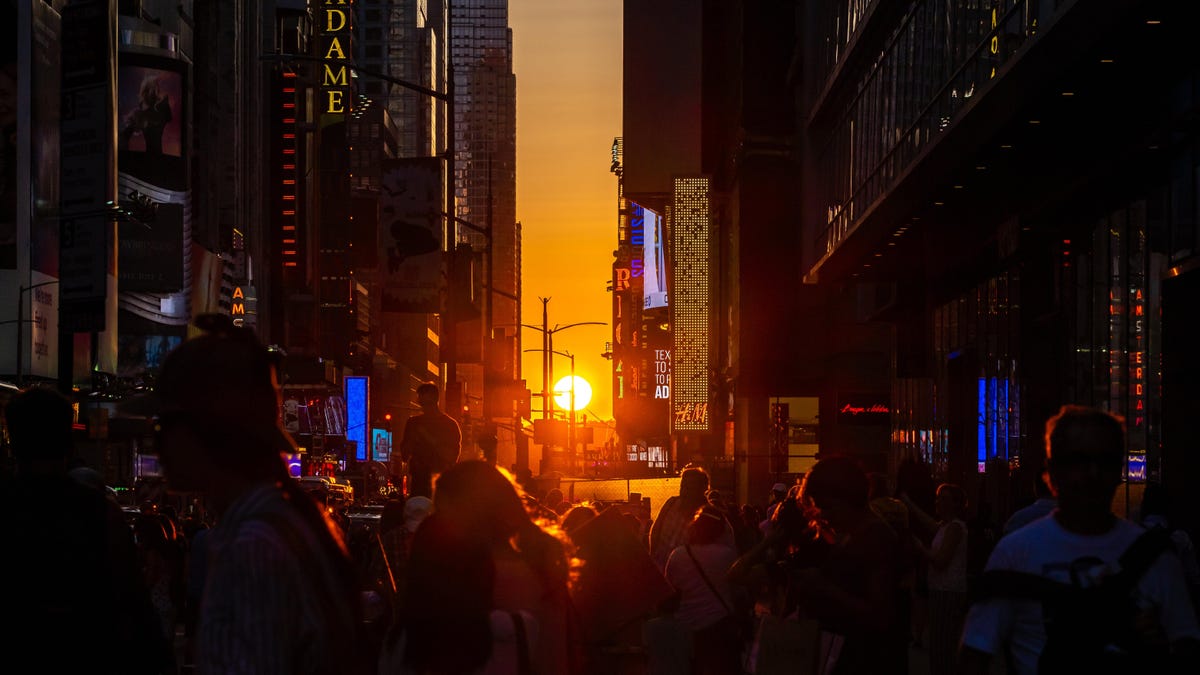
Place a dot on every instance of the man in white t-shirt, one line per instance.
(1079, 543)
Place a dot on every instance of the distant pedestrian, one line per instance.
(698, 570)
(431, 442)
(946, 561)
(73, 586)
(1042, 506)
(669, 529)
(281, 594)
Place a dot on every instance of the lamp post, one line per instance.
(547, 349)
(571, 417)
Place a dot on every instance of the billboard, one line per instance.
(690, 375)
(381, 445)
(411, 235)
(654, 267)
(151, 122)
(151, 250)
(150, 114)
(357, 415)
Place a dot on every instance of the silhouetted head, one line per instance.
(706, 527)
(693, 483)
(216, 404)
(428, 395)
(39, 427)
(835, 489)
(1085, 455)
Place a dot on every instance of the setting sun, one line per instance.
(562, 393)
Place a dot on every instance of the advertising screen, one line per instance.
(152, 121)
(150, 111)
(381, 445)
(357, 414)
(654, 290)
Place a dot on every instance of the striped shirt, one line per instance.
(274, 601)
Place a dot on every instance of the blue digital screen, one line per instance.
(1137, 468)
(357, 414)
(381, 444)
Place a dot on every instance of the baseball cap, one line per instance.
(222, 379)
(779, 487)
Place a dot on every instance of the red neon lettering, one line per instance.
(1138, 389)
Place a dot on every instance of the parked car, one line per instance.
(334, 489)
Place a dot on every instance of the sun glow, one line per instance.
(562, 393)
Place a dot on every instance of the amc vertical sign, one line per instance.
(335, 24)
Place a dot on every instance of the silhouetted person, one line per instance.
(852, 594)
(1040, 508)
(1081, 546)
(73, 586)
(431, 442)
(282, 595)
(668, 529)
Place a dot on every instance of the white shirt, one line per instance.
(698, 605)
(1045, 548)
(952, 577)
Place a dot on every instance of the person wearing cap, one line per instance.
(282, 595)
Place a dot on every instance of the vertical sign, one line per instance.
(410, 235)
(357, 415)
(88, 186)
(335, 48)
(689, 231)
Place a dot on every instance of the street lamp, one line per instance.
(571, 422)
(547, 349)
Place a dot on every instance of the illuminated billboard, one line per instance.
(654, 267)
(150, 111)
(690, 307)
(358, 414)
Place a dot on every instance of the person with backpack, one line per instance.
(1083, 590)
(281, 593)
(431, 443)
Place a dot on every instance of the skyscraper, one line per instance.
(485, 129)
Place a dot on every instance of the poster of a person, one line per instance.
(150, 100)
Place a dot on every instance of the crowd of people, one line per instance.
(471, 573)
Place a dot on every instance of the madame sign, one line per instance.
(335, 34)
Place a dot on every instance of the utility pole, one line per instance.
(546, 402)
(449, 329)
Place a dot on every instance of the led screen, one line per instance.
(357, 415)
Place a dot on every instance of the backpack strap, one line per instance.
(1140, 555)
(1134, 563)
(524, 664)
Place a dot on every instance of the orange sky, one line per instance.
(567, 58)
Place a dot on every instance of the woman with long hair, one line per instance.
(479, 517)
